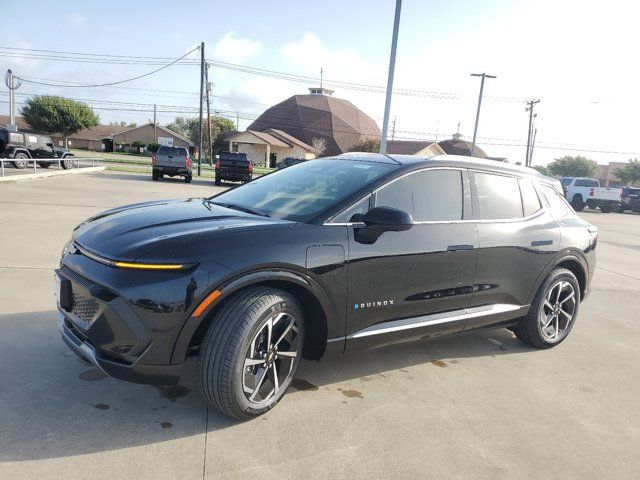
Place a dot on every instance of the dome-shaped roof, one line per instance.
(306, 117)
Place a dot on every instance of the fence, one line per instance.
(75, 162)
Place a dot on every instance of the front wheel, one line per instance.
(251, 352)
(553, 311)
(44, 164)
(67, 163)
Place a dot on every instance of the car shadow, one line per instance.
(146, 177)
(54, 405)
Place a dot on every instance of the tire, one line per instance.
(187, 179)
(67, 163)
(44, 164)
(531, 329)
(217, 181)
(619, 209)
(605, 209)
(577, 203)
(154, 175)
(20, 161)
(234, 346)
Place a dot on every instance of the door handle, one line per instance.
(540, 243)
(455, 248)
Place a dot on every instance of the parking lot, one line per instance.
(475, 406)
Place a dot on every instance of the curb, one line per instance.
(53, 173)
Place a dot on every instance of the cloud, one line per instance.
(236, 50)
(76, 19)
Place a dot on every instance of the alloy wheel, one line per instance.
(558, 310)
(270, 358)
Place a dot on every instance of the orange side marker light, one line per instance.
(205, 303)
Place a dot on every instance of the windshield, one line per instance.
(303, 190)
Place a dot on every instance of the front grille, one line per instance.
(76, 277)
(84, 307)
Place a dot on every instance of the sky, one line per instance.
(577, 57)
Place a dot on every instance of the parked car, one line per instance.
(587, 192)
(324, 257)
(24, 146)
(630, 199)
(288, 161)
(233, 166)
(171, 161)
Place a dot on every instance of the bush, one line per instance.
(138, 144)
(153, 147)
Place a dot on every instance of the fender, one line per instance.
(243, 280)
(19, 150)
(559, 258)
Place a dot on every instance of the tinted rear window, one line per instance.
(238, 157)
(175, 151)
(586, 182)
(566, 182)
(498, 196)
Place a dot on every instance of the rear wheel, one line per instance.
(251, 352)
(20, 160)
(605, 209)
(553, 311)
(577, 203)
(187, 179)
(154, 176)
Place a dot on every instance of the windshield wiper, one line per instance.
(241, 208)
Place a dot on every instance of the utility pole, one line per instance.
(238, 121)
(392, 66)
(530, 105)
(12, 85)
(393, 128)
(533, 144)
(155, 130)
(321, 78)
(475, 129)
(209, 114)
(202, 69)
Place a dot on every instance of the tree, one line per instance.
(542, 169)
(630, 173)
(122, 123)
(369, 145)
(51, 114)
(188, 127)
(319, 146)
(569, 166)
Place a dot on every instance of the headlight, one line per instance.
(67, 247)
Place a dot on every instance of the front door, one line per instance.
(416, 283)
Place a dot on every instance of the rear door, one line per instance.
(517, 237)
(399, 284)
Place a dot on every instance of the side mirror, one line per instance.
(50, 145)
(382, 219)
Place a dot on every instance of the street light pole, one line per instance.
(392, 66)
(475, 129)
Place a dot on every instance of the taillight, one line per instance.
(153, 159)
(218, 164)
(250, 167)
(592, 192)
(187, 162)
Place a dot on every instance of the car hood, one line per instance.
(164, 230)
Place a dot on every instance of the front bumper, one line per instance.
(103, 331)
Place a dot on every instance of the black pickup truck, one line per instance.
(233, 166)
(23, 146)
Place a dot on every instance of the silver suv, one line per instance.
(171, 161)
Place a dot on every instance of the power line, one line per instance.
(118, 82)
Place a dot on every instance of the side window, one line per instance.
(498, 196)
(353, 213)
(559, 206)
(530, 200)
(585, 182)
(429, 196)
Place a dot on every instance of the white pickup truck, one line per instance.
(581, 192)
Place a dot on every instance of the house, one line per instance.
(107, 138)
(269, 147)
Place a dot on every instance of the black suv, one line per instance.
(321, 258)
(23, 146)
(233, 166)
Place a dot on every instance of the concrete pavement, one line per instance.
(478, 405)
